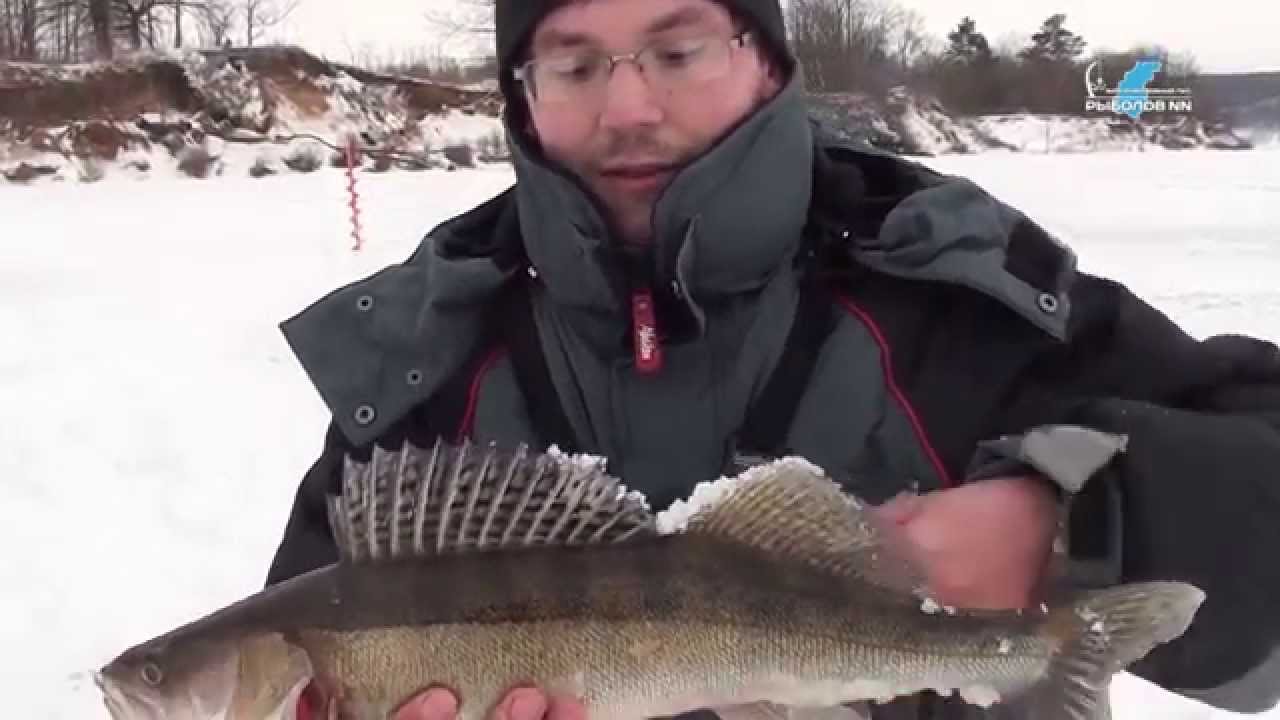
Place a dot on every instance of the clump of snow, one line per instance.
(587, 464)
(981, 695)
(230, 91)
(855, 117)
(707, 494)
(579, 461)
(306, 156)
(928, 129)
(459, 128)
(930, 606)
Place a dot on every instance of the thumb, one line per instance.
(900, 509)
(431, 705)
(523, 704)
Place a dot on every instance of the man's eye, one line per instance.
(573, 69)
(680, 54)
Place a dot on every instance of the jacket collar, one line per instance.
(724, 226)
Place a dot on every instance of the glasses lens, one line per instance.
(567, 78)
(682, 64)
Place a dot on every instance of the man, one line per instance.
(687, 277)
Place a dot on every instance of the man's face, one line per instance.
(627, 134)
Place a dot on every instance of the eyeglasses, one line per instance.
(669, 66)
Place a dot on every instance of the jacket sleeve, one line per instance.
(1190, 490)
(308, 543)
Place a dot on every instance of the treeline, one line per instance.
(81, 30)
(873, 45)
(843, 45)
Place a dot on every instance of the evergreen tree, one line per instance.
(967, 45)
(1054, 43)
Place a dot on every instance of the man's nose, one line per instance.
(629, 100)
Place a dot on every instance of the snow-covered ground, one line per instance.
(154, 425)
(1056, 133)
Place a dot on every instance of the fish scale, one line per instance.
(481, 570)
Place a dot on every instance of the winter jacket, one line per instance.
(952, 339)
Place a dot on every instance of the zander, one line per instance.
(479, 570)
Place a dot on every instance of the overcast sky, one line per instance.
(1236, 36)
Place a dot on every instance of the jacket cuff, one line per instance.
(1073, 460)
(1067, 455)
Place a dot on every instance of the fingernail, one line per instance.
(437, 705)
(526, 705)
(901, 508)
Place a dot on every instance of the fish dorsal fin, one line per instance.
(416, 502)
(791, 509)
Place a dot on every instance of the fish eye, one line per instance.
(151, 674)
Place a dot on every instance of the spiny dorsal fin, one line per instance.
(791, 509)
(415, 502)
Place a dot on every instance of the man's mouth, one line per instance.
(637, 177)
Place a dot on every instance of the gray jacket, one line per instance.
(966, 344)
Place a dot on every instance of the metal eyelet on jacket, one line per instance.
(365, 303)
(414, 377)
(1048, 303)
(365, 415)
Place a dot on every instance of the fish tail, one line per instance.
(1100, 634)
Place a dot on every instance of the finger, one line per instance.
(900, 509)
(523, 704)
(566, 708)
(430, 705)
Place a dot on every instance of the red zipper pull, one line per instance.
(644, 328)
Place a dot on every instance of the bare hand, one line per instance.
(985, 545)
(519, 704)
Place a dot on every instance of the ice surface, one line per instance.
(154, 425)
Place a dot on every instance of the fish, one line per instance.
(483, 568)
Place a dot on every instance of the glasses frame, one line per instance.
(523, 73)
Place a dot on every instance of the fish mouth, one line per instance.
(112, 697)
(120, 704)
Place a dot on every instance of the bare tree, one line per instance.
(460, 17)
(909, 41)
(177, 23)
(262, 15)
(848, 45)
(100, 21)
(6, 27)
(26, 18)
(218, 21)
(130, 19)
(461, 26)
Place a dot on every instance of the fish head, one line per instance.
(248, 678)
(172, 678)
